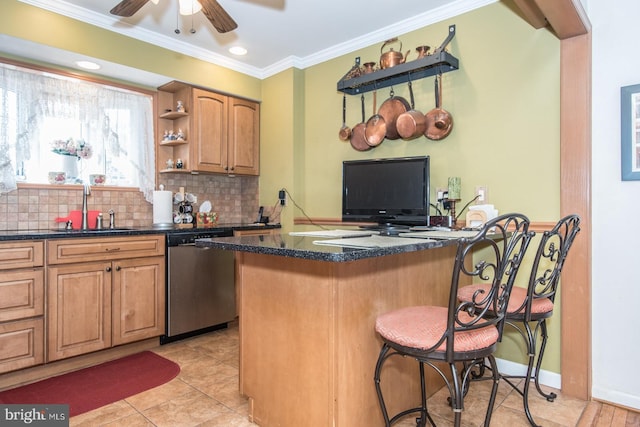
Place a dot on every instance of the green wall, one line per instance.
(504, 100)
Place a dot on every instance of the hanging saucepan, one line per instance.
(376, 127)
(357, 140)
(439, 121)
(390, 110)
(345, 131)
(413, 123)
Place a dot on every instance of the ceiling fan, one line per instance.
(218, 17)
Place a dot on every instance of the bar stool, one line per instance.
(466, 332)
(530, 307)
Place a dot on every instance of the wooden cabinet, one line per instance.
(222, 133)
(21, 305)
(103, 293)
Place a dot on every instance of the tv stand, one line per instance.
(387, 229)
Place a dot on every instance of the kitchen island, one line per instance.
(307, 342)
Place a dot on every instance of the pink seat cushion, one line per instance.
(421, 327)
(517, 298)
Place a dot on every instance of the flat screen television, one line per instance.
(391, 192)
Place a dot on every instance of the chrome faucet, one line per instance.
(86, 191)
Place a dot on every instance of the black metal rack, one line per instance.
(438, 62)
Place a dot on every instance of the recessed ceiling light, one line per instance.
(88, 65)
(238, 50)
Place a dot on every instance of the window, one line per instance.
(59, 129)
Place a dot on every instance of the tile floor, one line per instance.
(205, 393)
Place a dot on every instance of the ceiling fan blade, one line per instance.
(219, 17)
(128, 7)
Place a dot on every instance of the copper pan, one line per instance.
(439, 120)
(376, 127)
(357, 140)
(390, 110)
(413, 123)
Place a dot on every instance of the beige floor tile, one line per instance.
(134, 420)
(191, 409)
(206, 371)
(229, 420)
(564, 411)
(106, 414)
(158, 395)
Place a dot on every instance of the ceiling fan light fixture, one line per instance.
(88, 65)
(238, 50)
(189, 7)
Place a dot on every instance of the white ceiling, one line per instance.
(278, 34)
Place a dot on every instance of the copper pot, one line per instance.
(376, 127)
(439, 120)
(357, 140)
(368, 67)
(390, 110)
(413, 123)
(423, 51)
(391, 58)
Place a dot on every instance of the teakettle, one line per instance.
(392, 58)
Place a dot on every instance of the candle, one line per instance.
(454, 188)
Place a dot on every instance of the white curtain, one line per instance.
(117, 122)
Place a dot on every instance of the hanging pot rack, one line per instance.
(439, 62)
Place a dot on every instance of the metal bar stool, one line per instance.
(463, 333)
(530, 307)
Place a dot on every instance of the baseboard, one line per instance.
(548, 378)
(616, 398)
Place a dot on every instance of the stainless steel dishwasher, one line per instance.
(200, 285)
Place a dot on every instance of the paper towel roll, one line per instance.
(162, 208)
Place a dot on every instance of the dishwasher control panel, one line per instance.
(186, 237)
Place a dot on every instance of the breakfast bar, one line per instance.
(307, 311)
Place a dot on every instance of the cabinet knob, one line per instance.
(117, 268)
(108, 269)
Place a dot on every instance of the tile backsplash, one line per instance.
(36, 207)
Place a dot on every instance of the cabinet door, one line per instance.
(209, 133)
(244, 137)
(138, 299)
(79, 309)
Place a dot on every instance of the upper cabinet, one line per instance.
(215, 133)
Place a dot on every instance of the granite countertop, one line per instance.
(61, 233)
(304, 247)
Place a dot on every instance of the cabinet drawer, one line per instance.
(22, 254)
(65, 251)
(21, 294)
(21, 344)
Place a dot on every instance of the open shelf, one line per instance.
(438, 62)
(172, 115)
(171, 142)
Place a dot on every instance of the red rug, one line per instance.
(96, 386)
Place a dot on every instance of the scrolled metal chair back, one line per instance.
(492, 256)
(549, 260)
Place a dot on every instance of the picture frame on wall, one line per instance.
(630, 132)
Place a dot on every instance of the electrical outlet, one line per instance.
(282, 196)
(441, 193)
(481, 193)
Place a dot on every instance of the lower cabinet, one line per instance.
(21, 305)
(95, 305)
